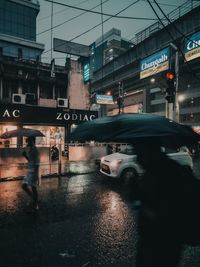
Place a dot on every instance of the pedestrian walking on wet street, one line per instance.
(164, 203)
(31, 180)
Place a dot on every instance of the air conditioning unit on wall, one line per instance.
(62, 102)
(18, 98)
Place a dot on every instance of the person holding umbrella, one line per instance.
(32, 177)
(169, 196)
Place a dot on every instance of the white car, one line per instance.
(124, 166)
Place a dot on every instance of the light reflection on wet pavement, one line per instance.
(83, 220)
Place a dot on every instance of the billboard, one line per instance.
(104, 99)
(71, 48)
(154, 64)
(86, 72)
(192, 47)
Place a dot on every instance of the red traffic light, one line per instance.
(170, 76)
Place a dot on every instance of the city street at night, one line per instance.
(84, 220)
(99, 133)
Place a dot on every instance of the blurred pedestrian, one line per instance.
(58, 136)
(54, 153)
(162, 195)
(31, 180)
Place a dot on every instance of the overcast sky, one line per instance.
(83, 22)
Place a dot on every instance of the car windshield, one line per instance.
(128, 150)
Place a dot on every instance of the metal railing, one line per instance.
(172, 16)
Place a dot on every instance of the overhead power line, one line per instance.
(182, 53)
(99, 24)
(171, 36)
(63, 10)
(53, 27)
(174, 26)
(75, 17)
(99, 13)
(163, 4)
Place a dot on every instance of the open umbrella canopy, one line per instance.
(26, 132)
(133, 127)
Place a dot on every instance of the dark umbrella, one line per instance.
(134, 127)
(21, 132)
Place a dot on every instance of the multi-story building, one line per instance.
(108, 47)
(18, 29)
(33, 93)
(140, 72)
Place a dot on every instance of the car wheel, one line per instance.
(129, 176)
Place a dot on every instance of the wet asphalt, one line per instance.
(84, 221)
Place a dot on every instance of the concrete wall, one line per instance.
(86, 152)
(77, 90)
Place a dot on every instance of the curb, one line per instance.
(69, 174)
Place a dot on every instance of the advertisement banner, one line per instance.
(86, 72)
(154, 64)
(71, 48)
(104, 99)
(192, 47)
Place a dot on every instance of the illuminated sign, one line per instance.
(192, 47)
(33, 114)
(154, 64)
(104, 99)
(86, 72)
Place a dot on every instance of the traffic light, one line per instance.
(170, 90)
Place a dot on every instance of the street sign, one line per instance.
(71, 48)
(86, 72)
(104, 99)
(192, 47)
(154, 64)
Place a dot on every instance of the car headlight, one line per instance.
(102, 159)
(115, 163)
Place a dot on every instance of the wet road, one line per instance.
(84, 220)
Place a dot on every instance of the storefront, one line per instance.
(55, 123)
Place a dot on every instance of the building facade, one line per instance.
(135, 68)
(18, 29)
(108, 47)
(32, 93)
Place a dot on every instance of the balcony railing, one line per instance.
(172, 16)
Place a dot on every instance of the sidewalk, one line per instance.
(69, 168)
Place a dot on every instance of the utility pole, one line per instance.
(175, 116)
(120, 98)
(176, 104)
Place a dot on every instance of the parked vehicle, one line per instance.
(124, 166)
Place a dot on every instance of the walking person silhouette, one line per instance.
(32, 178)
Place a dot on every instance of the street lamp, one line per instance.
(181, 98)
(152, 80)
